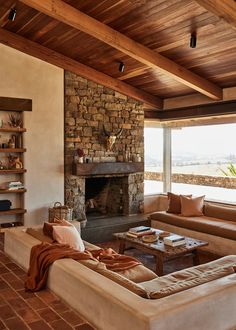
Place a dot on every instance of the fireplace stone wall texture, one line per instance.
(88, 108)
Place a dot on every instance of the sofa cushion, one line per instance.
(138, 274)
(212, 226)
(125, 282)
(191, 206)
(185, 279)
(39, 234)
(221, 212)
(90, 246)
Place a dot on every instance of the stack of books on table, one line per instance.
(174, 240)
(140, 231)
(11, 185)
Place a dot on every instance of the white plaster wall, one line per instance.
(26, 77)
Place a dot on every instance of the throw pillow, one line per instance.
(192, 206)
(174, 203)
(68, 235)
(48, 226)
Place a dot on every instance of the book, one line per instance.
(175, 244)
(140, 234)
(11, 185)
(174, 240)
(139, 229)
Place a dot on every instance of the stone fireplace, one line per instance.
(111, 181)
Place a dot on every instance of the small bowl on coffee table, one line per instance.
(164, 234)
(150, 238)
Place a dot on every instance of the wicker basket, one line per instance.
(60, 211)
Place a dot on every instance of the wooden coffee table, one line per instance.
(161, 251)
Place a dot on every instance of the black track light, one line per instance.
(121, 67)
(12, 14)
(193, 40)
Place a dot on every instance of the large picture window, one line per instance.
(153, 146)
(203, 161)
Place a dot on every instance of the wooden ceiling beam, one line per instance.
(229, 93)
(69, 15)
(225, 9)
(32, 48)
(197, 111)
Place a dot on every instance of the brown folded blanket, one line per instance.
(44, 254)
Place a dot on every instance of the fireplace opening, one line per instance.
(105, 196)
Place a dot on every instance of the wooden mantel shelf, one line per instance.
(90, 169)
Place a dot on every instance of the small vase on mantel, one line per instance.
(80, 160)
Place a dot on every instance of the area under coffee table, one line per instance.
(158, 249)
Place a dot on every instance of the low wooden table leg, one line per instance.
(195, 257)
(122, 246)
(159, 265)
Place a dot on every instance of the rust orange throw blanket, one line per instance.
(44, 254)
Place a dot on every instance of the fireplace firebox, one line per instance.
(105, 196)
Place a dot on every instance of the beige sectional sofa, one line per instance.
(217, 226)
(111, 306)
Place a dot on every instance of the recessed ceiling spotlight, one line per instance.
(193, 40)
(121, 67)
(12, 14)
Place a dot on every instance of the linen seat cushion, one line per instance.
(221, 212)
(189, 278)
(138, 274)
(90, 246)
(208, 225)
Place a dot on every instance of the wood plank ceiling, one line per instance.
(162, 26)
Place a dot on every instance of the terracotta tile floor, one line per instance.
(20, 310)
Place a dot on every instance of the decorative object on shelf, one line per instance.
(111, 137)
(5, 205)
(120, 158)
(11, 143)
(141, 207)
(14, 162)
(15, 120)
(80, 153)
(2, 167)
(60, 211)
(136, 158)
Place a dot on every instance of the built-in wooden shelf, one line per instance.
(5, 226)
(13, 211)
(12, 129)
(14, 171)
(112, 168)
(12, 150)
(7, 191)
